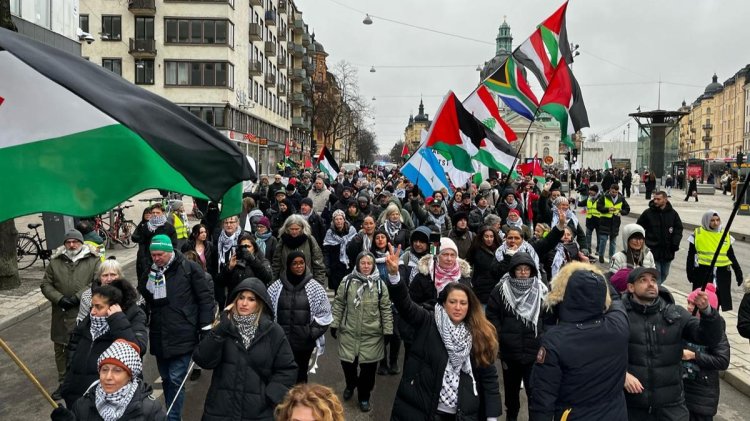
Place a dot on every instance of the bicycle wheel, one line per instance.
(127, 228)
(27, 251)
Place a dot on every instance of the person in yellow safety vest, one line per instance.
(178, 218)
(592, 216)
(91, 238)
(611, 206)
(703, 243)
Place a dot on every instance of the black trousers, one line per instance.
(364, 381)
(302, 358)
(669, 413)
(627, 190)
(696, 417)
(440, 416)
(513, 373)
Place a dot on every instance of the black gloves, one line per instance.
(333, 333)
(62, 413)
(68, 302)
(740, 278)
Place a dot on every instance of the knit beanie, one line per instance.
(306, 201)
(514, 211)
(447, 244)
(459, 216)
(74, 234)
(123, 354)
(161, 242)
(263, 220)
(713, 299)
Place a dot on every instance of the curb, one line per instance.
(739, 379)
(739, 236)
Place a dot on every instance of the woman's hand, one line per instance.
(232, 261)
(563, 219)
(114, 308)
(392, 260)
(688, 355)
(632, 384)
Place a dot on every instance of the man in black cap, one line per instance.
(343, 199)
(317, 225)
(479, 213)
(293, 195)
(658, 329)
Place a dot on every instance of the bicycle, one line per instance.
(29, 248)
(120, 231)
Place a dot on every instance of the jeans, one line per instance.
(601, 241)
(173, 371)
(663, 268)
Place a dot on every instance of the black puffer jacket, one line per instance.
(418, 393)
(657, 332)
(177, 319)
(701, 377)
(142, 407)
(250, 266)
(518, 341)
(143, 237)
(247, 384)
(422, 288)
(485, 272)
(292, 310)
(663, 230)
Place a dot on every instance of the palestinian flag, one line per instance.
(608, 163)
(564, 101)
(543, 50)
(534, 169)
(461, 137)
(77, 139)
(405, 152)
(327, 164)
(511, 85)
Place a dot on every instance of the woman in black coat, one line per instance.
(446, 377)
(252, 361)
(114, 314)
(334, 249)
(486, 268)
(248, 262)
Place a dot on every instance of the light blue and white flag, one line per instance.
(424, 170)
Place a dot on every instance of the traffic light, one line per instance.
(575, 154)
(740, 158)
(567, 156)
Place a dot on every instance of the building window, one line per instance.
(111, 28)
(15, 7)
(194, 73)
(144, 72)
(545, 152)
(83, 23)
(215, 116)
(199, 31)
(144, 28)
(114, 65)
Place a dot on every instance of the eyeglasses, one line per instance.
(298, 263)
(523, 269)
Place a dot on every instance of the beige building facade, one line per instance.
(413, 130)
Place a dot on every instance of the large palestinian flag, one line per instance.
(77, 139)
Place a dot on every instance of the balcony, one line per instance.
(256, 32)
(270, 18)
(307, 104)
(298, 98)
(282, 34)
(270, 49)
(142, 7)
(281, 61)
(299, 26)
(255, 68)
(305, 39)
(281, 90)
(270, 80)
(298, 122)
(142, 48)
(707, 126)
(707, 138)
(306, 85)
(282, 6)
(298, 50)
(298, 74)
(256, 2)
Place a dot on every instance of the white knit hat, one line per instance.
(447, 244)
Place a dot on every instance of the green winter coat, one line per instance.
(361, 329)
(64, 277)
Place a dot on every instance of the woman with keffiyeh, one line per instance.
(565, 251)
(252, 362)
(334, 248)
(119, 394)
(394, 225)
(450, 372)
(361, 320)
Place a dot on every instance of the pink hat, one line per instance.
(713, 300)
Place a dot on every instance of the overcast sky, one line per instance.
(625, 46)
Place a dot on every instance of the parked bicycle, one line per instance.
(30, 247)
(119, 232)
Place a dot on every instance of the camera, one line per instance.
(88, 38)
(435, 238)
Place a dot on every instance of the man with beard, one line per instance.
(663, 231)
(344, 196)
(319, 195)
(275, 186)
(70, 271)
(305, 184)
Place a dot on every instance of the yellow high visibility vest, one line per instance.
(96, 247)
(180, 228)
(591, 211)
(706, 243)
(609, 204)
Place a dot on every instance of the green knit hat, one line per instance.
(161, 242)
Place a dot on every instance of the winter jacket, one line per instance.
(422, 288)
(620, 259)
(176, 320)
(291, 305)
(701, 376)
(518, 341)
(209, 254)
(336, 268)
(319, 198)
(418, 392)
(143, 237)
(657, 332)
(361, 329)
(743, 313)
(423, 216)
(247, 383)
(313, 255)
(485, 272)
(317, 227)
(663, 229)
(83, 352)
(65, 278)
(609, 224)
(476, 218)
(252, 266)
(142, 407)
(463, 241)
(580, 367)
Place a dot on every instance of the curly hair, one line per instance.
(324, 404)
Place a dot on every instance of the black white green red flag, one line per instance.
(564, 101)
(328, 164)
(78, 139)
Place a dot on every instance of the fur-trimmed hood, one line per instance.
(60, 251)
(424, 266)
(580, 292)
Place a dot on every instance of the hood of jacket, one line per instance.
(522, 258)
(257, 287)
(628, 231)
(424, 266)
(580, 292)
(422, 230)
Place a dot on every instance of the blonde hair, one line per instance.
(110, 265)
(560, 283)
(324, 404)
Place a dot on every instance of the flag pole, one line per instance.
(520, 147)
(27, 372)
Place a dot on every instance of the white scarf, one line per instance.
(157, 282)
(457, 340)
(99, 327)
(524, 297)
(570, 215)
(524, 247)
(333, 238)
(225, 243)
(111, 406)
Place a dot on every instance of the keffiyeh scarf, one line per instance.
(457, 340)
(247, 326)
(156, 222)
(99, 326)
(157, 283)
(392, 228)
(524, 297)
(524, 247)
(368, 282)
(439, 220)
(570, 215)
(335, 238)
(517, 224)
(225, 243)
(111, 406)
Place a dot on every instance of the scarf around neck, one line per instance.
(247, 326)
(392, 228)
(99, 326)
(111, 406)
(262, 241)
(524, 247)
(365, 281)
(517, 224)
(444, 276)
(225, 243)
(156, 222)
(524, 298)
(437, 220)
(157, 283)
(457, 341)
(341, 239)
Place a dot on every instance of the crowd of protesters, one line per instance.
(500, 270)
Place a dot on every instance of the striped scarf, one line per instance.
(111, 406)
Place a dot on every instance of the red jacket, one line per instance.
(527, 213)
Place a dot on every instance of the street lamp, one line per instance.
(372, 69)
(367, 20)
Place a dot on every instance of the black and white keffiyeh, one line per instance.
(523, 297)
(225, 243)
(99, 326)
(524, 247)
(438, 220)
(457, 340)
(570, 215)
(391, 228)
(334, 238)
(247, 326)
(111, 406)
(155, 222)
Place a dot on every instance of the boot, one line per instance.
(395, 347)
(383, 367)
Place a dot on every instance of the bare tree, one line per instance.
(395, 154)
(366, 147)
(8, 235)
